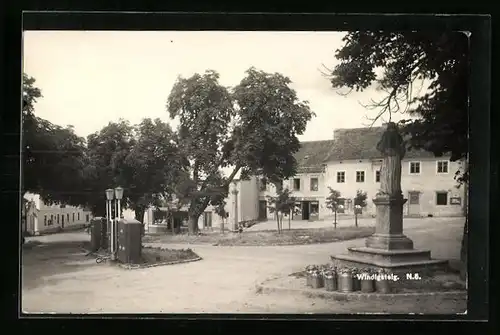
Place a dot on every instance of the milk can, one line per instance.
(309, 271)
(317, 279)
(330, 279)
(356, 283)
(344, 280)
(367, 282)
(382, 283)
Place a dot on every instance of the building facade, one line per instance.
(44, 218)
(351, 162)
(347, 163)
(241, 206)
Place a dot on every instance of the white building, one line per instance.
(43, 218)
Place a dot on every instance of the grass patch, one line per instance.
(162, 255)
(267, 238)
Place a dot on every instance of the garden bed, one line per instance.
(152, 255)
(267, 238)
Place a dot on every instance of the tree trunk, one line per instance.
(222, 226)
(335, 220)
(290, 220)
(463, 250)
(172, 223)
(193, 223)
(278, 221)
(281, 221)
(139, 216)
(356, 218)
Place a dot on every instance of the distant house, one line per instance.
(241, 205)
(43, 218)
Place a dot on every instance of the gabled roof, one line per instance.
(348, 144)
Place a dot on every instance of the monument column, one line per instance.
(389, 200)
(388, 247)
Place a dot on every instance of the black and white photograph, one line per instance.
(280, 172)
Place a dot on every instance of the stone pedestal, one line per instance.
(389, 225)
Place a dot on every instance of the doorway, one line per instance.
(414, 203)
(305, 210)
(62, 221)
(262, 210)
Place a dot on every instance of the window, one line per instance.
(341, 177)
(78, 216)
(442, 167)
(296, 184)
(45, 220)
(441, 198)
(51, 219)
(314, 209)
(67, 217)
(377, 176)
(87, 218)
(263, 184)
(314, 184)
(73, 217)
(414, 167)
(360, 176)
(57, 218)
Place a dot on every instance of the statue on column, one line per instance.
(393, 149)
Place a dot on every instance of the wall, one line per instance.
(77, 217)
(428, 182)
(304, 191)
(43, 212)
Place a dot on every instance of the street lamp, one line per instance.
(118, 196)
(110, 193)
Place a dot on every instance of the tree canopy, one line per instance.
(144, 159)
(53, 156)
(251, 129)
(332, 201)
(438, 59)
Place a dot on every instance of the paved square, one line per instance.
(63, 280)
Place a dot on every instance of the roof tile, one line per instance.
(354, 143)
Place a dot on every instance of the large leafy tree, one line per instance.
(107, 150)
(53, 156)
(439, 60)
(144, 159)
(152, 167)
(251, 129)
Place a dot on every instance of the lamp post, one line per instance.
(109, 199)
(113, 194)
(118, 196)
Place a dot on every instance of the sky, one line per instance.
(89, 78)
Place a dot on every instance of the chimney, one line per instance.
(337, 133)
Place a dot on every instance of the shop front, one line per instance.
(306, 209)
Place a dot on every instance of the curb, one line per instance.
(355, 296)
(139, 266)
